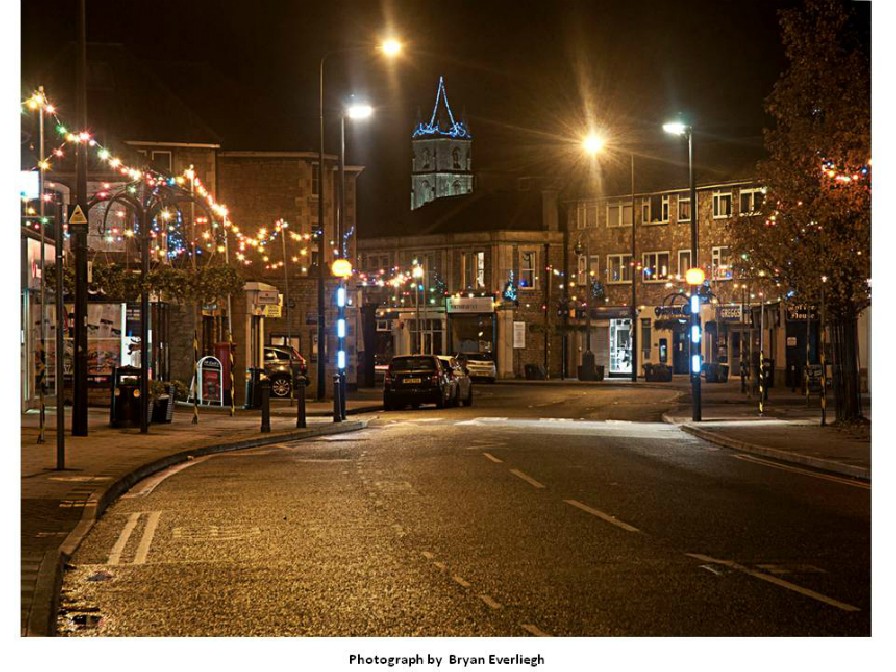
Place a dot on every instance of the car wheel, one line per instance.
(469, 401)
(281, 386)
(440, 400)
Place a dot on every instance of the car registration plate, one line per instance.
(408, 381)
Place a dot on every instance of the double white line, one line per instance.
(152, 522)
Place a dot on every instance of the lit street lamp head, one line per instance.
(593, 144)
(391, 47)
(676, 128)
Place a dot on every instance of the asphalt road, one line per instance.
(535, 512)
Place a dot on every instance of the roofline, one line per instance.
(159, 143)
(674, 190)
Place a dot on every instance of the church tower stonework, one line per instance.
(441, 161)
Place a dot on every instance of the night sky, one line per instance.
(527, 77)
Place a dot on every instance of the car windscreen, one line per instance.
(413, 364)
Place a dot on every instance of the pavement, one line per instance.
(60, 505)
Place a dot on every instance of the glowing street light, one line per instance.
(679, 128)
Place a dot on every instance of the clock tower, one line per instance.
(441, 161)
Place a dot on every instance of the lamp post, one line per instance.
(679, 128)
(580, 249)
(417, 274)
(390, 48)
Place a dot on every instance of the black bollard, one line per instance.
(265, 387)
(300, 404)
(337, 403)
(342, 395)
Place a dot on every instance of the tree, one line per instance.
(813, 235)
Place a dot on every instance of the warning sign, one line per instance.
(77, 217)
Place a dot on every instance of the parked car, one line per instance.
(416, 380)
(479, 365)
(463, 386)
(283, 365)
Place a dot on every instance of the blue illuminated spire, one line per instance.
(438, 125)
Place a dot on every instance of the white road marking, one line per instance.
(440, 565)
(493, 458)
(122, 541)
(428, 555)
(153, 482)
(535, 631)
(152, 522)
(776, 581)
(489, 601)
(806, 472)
(603, 516)
(531, 481)
(459, 580)
(638, 430)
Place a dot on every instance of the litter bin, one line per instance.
(253, 388)
(534, 372)
(124, 410)
(586, 370)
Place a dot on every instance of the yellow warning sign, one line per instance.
(77, 217)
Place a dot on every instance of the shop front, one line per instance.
(470, 324)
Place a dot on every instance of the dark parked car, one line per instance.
(416, 380)
(463, 386)
(283, 365)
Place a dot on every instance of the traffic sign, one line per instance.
(77, 217)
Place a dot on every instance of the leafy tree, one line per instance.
(814, 233)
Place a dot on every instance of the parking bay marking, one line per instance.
(776, 581)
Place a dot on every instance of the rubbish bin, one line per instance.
(586, 370)
(253, 388)
(534, 372)
(124, 410)
(769, 372)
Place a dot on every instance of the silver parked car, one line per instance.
(462, 385)
(479, 365)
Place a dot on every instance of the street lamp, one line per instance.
(593, 144)
(679, 128)
(390, 48)
(417, 274)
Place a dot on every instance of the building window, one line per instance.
(655, 209)
(619, 214)
(721, 204)
(655, 266)
(684, 262)
(426, 158)
(315, 179)
(619, 268)
(455, 158)
(586, 216)
(528, 270)
(721, 263)
(684, 208)
(474, 270)
(162, 160)
(751, 201)
(584, 268)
